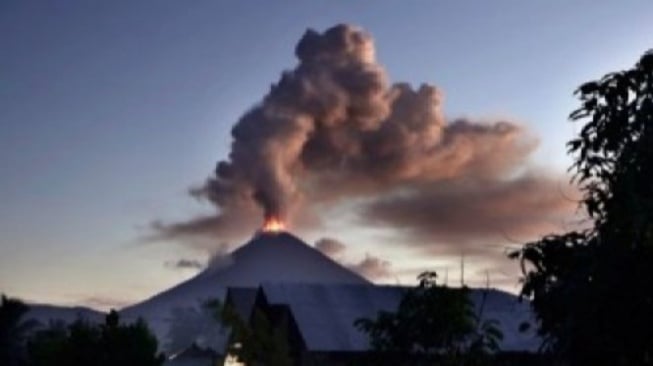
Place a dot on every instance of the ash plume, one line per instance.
(334, 128)
(469, 213)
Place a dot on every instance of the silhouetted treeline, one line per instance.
(432, 325)
(78, 344)
(592, 289)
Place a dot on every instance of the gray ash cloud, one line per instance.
(334, 128)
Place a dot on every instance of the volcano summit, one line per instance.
(269, 257)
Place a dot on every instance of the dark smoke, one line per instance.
(334, 129)
(474, 212)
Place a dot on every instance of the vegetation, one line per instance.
(256, 342)
(592, 288)
(432, 323)
(82, 343)
(13, 331)
(78, 344)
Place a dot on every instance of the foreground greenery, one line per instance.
(255, 341)
(432, 325)
(78, 344)
(592, 289)
(14, 330)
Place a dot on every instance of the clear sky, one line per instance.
(110, 110)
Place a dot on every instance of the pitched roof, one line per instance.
(325, 314)
(195, 351)
(280, 257)
(241, 299)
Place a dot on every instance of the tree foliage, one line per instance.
(254, 341)
(13, 331)
(592, 288)
(432, 323)
(82, 343)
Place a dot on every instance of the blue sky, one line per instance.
(109, 111)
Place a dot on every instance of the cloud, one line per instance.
(229, 225)
(372, 268)
(334, 130)
(184, 264)
(220, 258)
(466, 213)
(103, 303)
(330, 247)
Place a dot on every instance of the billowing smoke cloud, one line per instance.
(335, 129)
(474, 212)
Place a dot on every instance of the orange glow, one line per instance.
(273, 225)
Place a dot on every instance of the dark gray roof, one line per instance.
(325, 314)
(241, 299)
(195, 351)
(280, 257)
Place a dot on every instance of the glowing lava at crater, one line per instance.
(273, 225)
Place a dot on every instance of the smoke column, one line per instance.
(335, 128)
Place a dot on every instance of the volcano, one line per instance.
(269, 257)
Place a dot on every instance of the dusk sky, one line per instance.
(111, 110)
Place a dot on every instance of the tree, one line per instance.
(13, 331)
(432, 323)
(592, 289)
(82, 343)
(256, 342)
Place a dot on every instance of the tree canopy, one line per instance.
(13, 331)
(254, 341)
(432, 323)
(82, 343)
(592, 288)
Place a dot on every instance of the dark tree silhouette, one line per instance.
(592, 289)
(255, 341)
(433, 324)
(13, 331)
(83, 343)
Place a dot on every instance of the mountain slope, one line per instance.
(268, 257)
(44, 313)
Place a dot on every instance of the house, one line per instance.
(241, 299)
(318, 319)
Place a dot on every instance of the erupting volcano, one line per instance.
(273, 255)
(273, 225)
(334, 130)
